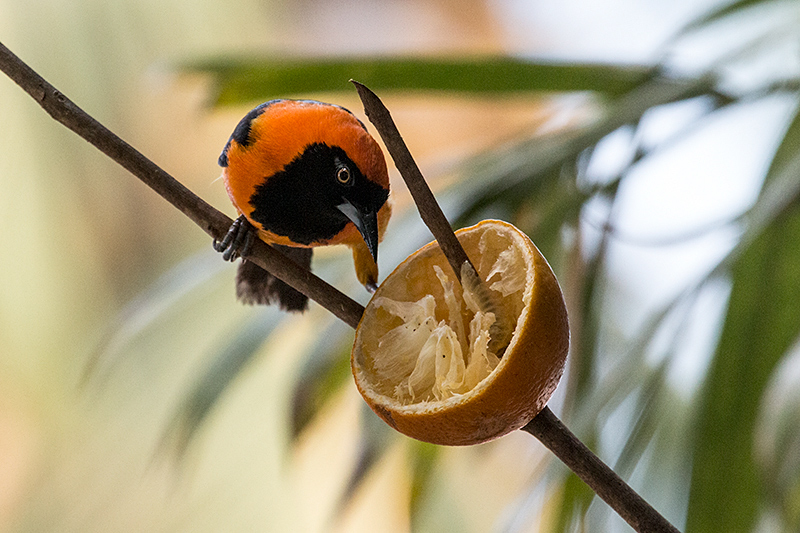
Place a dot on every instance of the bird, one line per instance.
(301, 174)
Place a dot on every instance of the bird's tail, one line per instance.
(254, 285)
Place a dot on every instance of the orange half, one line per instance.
(423, 354)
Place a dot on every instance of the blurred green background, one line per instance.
(651, 150)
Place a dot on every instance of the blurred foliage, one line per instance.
(761, 325)
(731, 445)
(535, 183)
(763, 316)
(240, 80)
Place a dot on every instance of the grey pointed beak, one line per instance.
(366, 221)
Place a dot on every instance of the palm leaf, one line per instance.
(322, 374)
(722, 12)
(422, 462)
(507, 172)
(762, 322)
(376, 438)
(238, 348)
(246, 79)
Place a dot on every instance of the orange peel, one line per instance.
(423, 355)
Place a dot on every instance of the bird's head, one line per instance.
(308, 173)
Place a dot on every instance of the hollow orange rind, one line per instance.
(423, 357)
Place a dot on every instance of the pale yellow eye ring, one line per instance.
(344, 176)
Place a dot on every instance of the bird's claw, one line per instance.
(238, 241)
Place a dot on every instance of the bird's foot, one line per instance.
(238, 241)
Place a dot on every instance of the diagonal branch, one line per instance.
(213, 222)
(429, 209)
(639, 514)
(545, 427)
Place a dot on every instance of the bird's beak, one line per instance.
(366, 221)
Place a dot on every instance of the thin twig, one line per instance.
(213, 222)
(546, 427)
(428, 207)
(430, 212)
(586, 465)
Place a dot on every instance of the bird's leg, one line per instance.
(237, 241)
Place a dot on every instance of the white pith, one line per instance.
(427, 352)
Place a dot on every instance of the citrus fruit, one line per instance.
(458, 366)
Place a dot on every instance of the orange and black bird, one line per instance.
(303, 173)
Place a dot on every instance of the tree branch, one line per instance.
(546, 427)
(213, 222)
(428, 207)
(603, 481)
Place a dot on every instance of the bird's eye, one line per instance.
(343, 175)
